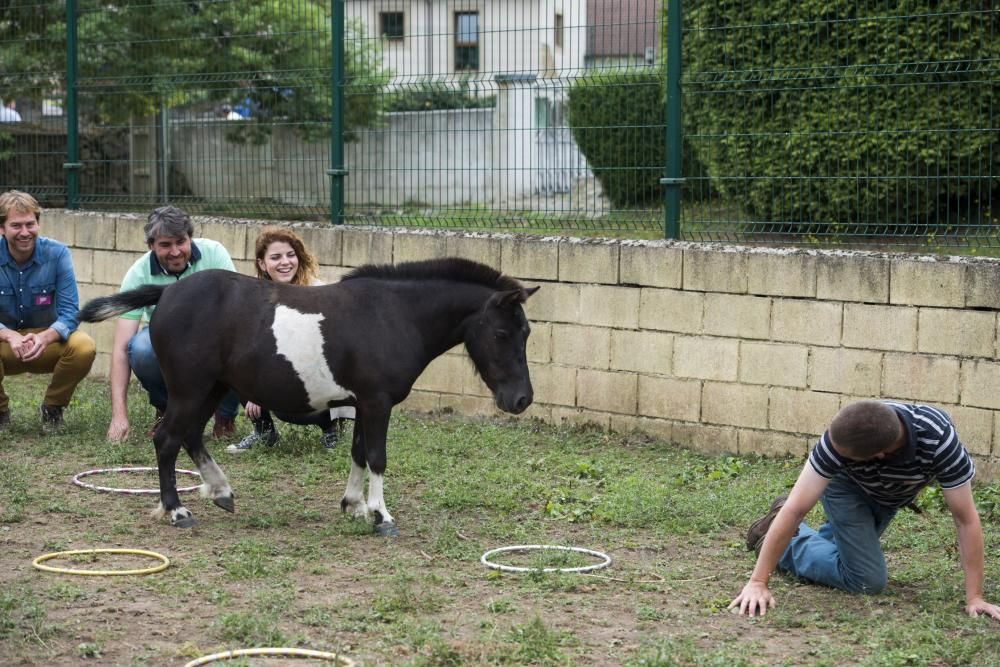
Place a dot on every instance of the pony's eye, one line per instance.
(500, 334)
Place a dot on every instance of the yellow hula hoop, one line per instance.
(341, 660)
(164, 564)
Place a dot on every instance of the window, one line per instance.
(557, 37)
(391, 24)
(467, 41)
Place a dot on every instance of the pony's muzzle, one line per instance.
(515, 402)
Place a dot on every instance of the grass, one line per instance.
(288, 569)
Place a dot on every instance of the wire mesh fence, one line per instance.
(816, 122)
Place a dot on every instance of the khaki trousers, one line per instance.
(68, 362)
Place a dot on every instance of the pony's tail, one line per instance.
(106, 307)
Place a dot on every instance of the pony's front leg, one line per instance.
(368, 451)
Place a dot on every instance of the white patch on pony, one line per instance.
(376, 503)
(354, 495)
(300, 340)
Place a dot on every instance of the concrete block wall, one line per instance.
(718, 348)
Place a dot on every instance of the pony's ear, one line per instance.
(528, 291)
(511, 297)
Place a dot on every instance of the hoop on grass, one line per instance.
(135, 492)
(340, 660)
(164, 562)
(605, 559)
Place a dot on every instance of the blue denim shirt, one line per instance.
(42, 293)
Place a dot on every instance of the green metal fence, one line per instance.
(813, 122)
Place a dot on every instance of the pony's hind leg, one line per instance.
(215, 484)
(168, 444)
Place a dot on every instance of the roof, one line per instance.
(622, 27)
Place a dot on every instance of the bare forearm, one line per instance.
(119, 376)
(970, 550)
(780, 534)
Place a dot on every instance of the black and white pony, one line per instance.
(362, 341)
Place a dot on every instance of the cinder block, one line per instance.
(412, 247)
(478, 248)
(609, 306)
(553, 385)
(806, 321)
(845, 371)
(246, 267)
(471, 406)
(101, 367)
(539, 348)
(706, 358)
(325, 243)
(669, 398)
(737, 315)
(583, 347)
(642, 351)
(715, 270)
(607, 391)
(774, 364)
(651, 265)
(772, 443)
(921, 377)
(670, 310)
(83, 264)
(232, 236)
(448, 374)
(588, 261)
(95, 231)
(530, 260)
(982, 284)
(554, 302)
(366, 246)
(329, 275)
(781, 273)
(981, 384)
(852, 277)
(734, 404)
(579, 418)
(797, 411)
(880, 327)
(962, 333)
(130, 237)
(59, 226)
(110, 266)
(706, 439)
(927, 282)
(660, 429)
(974, 427)
(421, 402)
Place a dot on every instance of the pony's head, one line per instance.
(496, 341)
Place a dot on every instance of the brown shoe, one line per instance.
(224, 427)
(758, 529)
(156, 423)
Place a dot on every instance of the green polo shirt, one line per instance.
(205, 254)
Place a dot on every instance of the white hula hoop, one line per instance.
(605, 559)
(135, 492)
(291, 652)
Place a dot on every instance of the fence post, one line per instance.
(672, 177)
(336, 170)
(72, 165)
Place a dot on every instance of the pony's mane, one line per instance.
(448, 268)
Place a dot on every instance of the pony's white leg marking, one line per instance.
(376, 503)
(215, 484)
(176, 515)
(299, 339)
(354, 495)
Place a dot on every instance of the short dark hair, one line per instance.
(168, 221)
(865, 429)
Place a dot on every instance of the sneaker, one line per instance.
(224, 427)
(151, 431)
(758, 529)
(329, 440)
(267, 438)
(52, 418)
(4, 420)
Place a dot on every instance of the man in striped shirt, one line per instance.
(874, 459)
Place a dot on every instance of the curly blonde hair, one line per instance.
(307, 273)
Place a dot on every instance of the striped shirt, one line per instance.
(932, 452)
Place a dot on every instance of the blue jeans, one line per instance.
(142, 360)
(845, 552)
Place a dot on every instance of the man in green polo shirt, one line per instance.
(173, 255)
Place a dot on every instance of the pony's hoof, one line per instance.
(183, 522)
(386, 529)
(226, 502)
